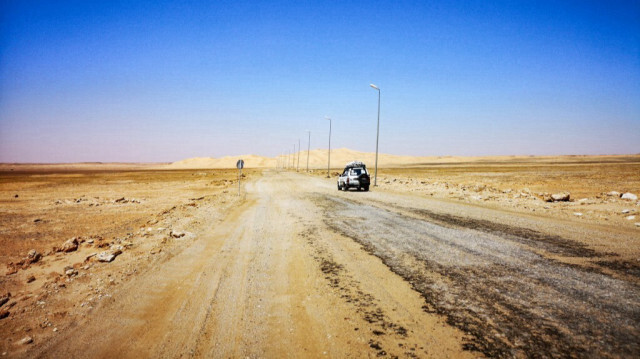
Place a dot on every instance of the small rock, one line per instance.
(637, 224)
(70, 271)
(4, 313)
(116, 249)
(55, 329)
(105, 256)
(121, 199)
(613, 194)
(630, 218)
(26, 340)
(37, 220)
(558, 197)
(32, 257)
(561, 197)
(31, 278)
(578, 214)
(70, 245)
(626, 210)
(4, 299)
(629, 196)
(176, 234)
(16, 196)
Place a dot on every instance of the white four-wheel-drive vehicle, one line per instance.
(355, 175)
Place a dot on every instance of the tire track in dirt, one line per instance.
(365, 304)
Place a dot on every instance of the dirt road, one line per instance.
(299, 269)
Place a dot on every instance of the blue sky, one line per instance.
(162, 81)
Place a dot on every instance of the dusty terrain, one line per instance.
(522, 184)
(455, 260)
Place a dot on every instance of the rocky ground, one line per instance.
(601, 190)
(69, 238)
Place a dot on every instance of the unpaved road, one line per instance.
(302, 270)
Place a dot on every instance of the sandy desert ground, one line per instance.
(447, 257)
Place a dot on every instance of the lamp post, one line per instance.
(293, 157)
(308, 147)
(375, 178)
(298, 165)
(329, 161)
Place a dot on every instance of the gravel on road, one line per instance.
(504, 289)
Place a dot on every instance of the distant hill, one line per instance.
(341, 156)
(251, 161)
(317, 159)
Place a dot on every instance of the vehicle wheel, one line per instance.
(339, 187)
(366, 188)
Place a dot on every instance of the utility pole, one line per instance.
(375, 178)
(329, 161)
(298, 165)
(308, 147)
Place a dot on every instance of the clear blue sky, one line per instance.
(162, 81)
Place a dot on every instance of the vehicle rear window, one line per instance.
(357, 171)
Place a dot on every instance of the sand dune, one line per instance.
(317, 159)
(341, 156)
(251, 161)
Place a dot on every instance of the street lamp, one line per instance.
(375, 178)
(298, 165)
(308, 147)
(329, 162)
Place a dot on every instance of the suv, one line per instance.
(355, 175)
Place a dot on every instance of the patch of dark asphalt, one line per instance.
(547, 242)
(351, 292)
(627, 267)
(511, 300)
(552, 244)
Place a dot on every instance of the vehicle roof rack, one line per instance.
(354, 164)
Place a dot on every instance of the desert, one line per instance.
(90, 246)
(319, 179)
